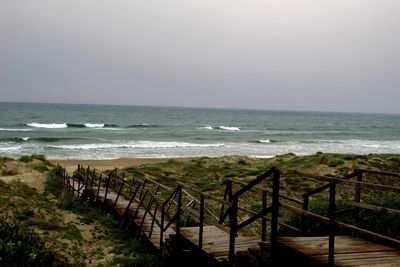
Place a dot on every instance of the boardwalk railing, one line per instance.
(169, 209)
(353, 180)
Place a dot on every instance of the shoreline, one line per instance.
(107, 164)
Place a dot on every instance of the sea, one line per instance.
(68, 131)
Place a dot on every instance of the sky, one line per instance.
(325, 55)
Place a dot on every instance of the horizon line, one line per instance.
(204, 107)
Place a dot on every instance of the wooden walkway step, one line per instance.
(216, 241)
(349, 251)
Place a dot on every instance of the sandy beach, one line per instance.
(71, 165)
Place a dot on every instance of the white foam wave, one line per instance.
(48, 125)
(25, 138)
(94, 125)
(5, 149)
(15, 130)
(109, 129)
(207, 127)
(138, 144)
(264, 141)
(229, 128)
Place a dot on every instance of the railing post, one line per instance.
(275, 212)
(201, 221)
(227, 194)
(264, 220)
(119, 192)
(107, 185)
(153, 220)
(179, 209)
(304, 220)
(357, 197)
(162, 226)
(98, 188)
(233, 229)
(332, 222)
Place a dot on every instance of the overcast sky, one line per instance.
(329, 55)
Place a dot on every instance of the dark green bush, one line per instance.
(54, 182)
(335, 163)
(20, 247)
(25, 159)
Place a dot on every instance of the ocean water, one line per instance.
(62, 131)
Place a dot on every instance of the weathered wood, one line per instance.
(332, 223)
(292, 199)
(376, 208)
(349, 251)
(216, 241)
(223, 242)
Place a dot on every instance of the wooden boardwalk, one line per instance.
(139, 202)
(349, 251)
(216, 241)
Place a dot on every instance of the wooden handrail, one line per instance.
(384, 173)
(297, 201)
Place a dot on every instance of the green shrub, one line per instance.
(350, 157)
(25, 159)
(135, 172)
(41, 168)
(335, 163)
(23, 248)
(397, 160)
(256, 207)
(72, 232)
(55, 182)
(139, 260)
(24, 215)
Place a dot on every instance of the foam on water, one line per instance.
(94, 125)
(136, 144)
(229, 128)
(95, 131)
(15, 130)
(48, 125)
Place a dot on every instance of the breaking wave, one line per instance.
(226, 128)
(47, 125)
(138, 144)
(15, 130)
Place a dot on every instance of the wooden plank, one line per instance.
(342, 245)
(349, 251)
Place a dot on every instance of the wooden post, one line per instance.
(264, 220)
(91, 188)
(304, 219)
(147, 208)
(119, 192)
(275, 213)
(357, 197)
(332, 222)
(107, 185)
(153, 220)
(162, 226)
(149, 204)
(98, 188)
(179, 209)
(227, 194)
(233, 229)
(201, 221)
(79, 186)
